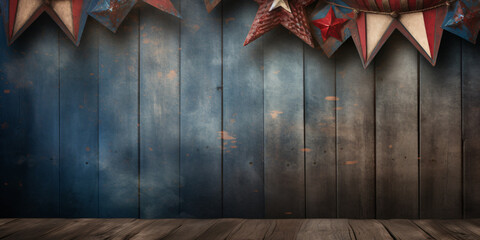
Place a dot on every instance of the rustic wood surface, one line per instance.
(441, 151)
(243, 169)
(201, 111)
(159, 117)
(396, 114)
(118, 134)
(235, 228)
(175, 118)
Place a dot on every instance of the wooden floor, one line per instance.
(240, 229)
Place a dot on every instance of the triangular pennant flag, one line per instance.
(70, 15)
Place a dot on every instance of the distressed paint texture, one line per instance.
(171, 118)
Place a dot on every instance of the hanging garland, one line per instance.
(369, 22)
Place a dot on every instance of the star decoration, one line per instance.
(330, 26)
(211, 4)
(329, 45)
(70, 15)
(111, 13)
(464, 20)
(295, 21)
(282, 4)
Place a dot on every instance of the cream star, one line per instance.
(280, 3)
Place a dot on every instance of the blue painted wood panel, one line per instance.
(396, 115)
(30, 120)
(118, 119)
(176, 118)
(355, 147)
(320, 134)
(284, 126)
(243, 167)
(201, 111)
(159, 114)
(79, 125)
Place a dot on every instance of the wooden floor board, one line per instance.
(191, 229)
(285, 229)
(433, 229)
(237, 229)
(325, 229)
(30, 228)
(159, 228)
(254, 229)
(221, 229)
(369, 230)
(405, 229)
(102, 228)
(458, 229)
(4, 221)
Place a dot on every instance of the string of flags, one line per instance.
(368, 22)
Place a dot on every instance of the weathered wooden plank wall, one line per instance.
(175, 118)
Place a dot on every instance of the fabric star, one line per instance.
(330, 26)
(111, 13)
(70, 15)
(464, 20)
(295, 21)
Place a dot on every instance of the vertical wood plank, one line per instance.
(284, 126)
(320, 161)
(79, 125)
(355, 136)
(397, 129)
(242, 114)
(29, 120)
(471, 128)
(201, 111)
(440, 133)
(118, 116)
(159, 113)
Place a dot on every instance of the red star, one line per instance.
(296, 21)
(330, 26)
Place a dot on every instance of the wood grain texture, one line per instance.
(159, 114)
(355, 136)
(243, 194)
(433, 229)
(29, 118)
(458, 230)
(471, 130)
(325, 229)
(29, 228)
(71, 229)
(201, 111)
(320, 161)
(285, 229)
(369, 230)
(284, 126)
(79, 125)
(397, 130)
(253, 229)
(191, 229)
(405, 229)
(221, 229)
(245, 229)
(118, 116)
(441, 134)
(158, 229)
